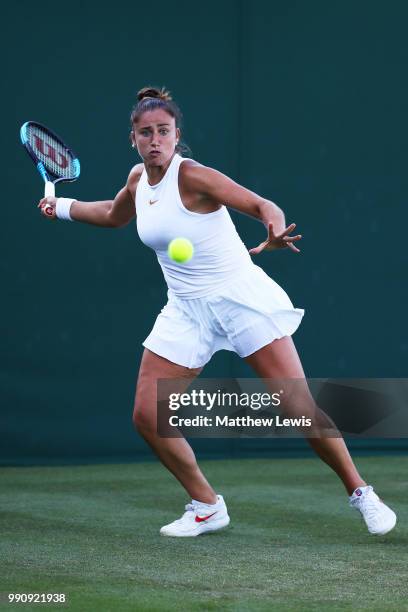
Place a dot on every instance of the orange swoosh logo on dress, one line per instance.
(200, 519)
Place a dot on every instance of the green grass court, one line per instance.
(92, 532)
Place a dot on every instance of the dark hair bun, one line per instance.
(153, 92)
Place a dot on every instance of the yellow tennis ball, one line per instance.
(180, 250)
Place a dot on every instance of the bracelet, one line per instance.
(62, 208)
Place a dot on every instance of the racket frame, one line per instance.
(50, 179)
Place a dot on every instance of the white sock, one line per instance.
(195, 501)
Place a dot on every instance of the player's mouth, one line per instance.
(154, 153)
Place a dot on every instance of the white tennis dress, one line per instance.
(219, 299)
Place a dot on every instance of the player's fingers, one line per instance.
(290, 228)
(271, 234)
(256, 250)
(292, 238)
(48, 200)
(293, 248)
(287, 230)
(48, 210)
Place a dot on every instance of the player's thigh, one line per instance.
(153, 368)
(279, 361)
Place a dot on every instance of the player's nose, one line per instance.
(155, 138)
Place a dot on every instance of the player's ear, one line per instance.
(178, 134)
(132, 139)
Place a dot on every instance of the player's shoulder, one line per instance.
(135, 173)
(189, 166)
(193, 174)
(133, 179)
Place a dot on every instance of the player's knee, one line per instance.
(137, 418)
(142, 420)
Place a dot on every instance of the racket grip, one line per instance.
(49, 189)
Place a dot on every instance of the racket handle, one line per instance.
(49, 189)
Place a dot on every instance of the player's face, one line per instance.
(155, 136)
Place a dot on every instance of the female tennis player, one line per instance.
(219, 300)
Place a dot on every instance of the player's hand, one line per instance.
(278, 241)
(47, 207)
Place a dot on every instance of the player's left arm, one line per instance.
(223, 190)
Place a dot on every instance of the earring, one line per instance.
(133, 146)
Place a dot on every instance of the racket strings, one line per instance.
(56, 158)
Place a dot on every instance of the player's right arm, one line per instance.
(106, 213)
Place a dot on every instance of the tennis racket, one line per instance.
(53, 159)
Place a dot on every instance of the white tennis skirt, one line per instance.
(241, 316)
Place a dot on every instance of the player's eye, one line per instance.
(164, 131)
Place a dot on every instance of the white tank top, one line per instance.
(219, 253)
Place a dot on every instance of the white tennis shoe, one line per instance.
(198, 518)
(378, 517)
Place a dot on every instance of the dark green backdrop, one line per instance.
(303, 102)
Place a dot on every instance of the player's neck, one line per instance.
(156, 173)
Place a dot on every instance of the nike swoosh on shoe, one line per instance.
(200, 519)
